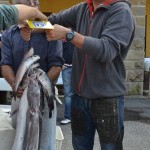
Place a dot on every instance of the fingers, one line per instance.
(19, 92)
(40, 16)
(25, 33)
(29, 13)
(58, 33)
(49, 35)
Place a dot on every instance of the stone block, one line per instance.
(138, 2)
(139, 64)
(140, 20)
(135, 75)
(138, 10)
(129, 65)
(134, 88)
(140, 32)
(138, 44)
(135, 55)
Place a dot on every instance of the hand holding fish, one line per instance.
(19, 92)
(37, 101)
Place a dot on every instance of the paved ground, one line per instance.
(137, 126)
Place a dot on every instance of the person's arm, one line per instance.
(7, 62)
(8, 74)
(55, 60)
(30, 13)
(110, 43)
(53, 73)
(59, 33)
(69, 20)
(7, 58)
(12, 14)
(8, 16)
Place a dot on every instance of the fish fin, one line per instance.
(57, 99)
(55, 90)
(50, 102)
(14, 95)
(50, 114)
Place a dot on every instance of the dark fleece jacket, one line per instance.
(98, 67)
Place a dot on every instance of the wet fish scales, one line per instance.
(34, 104)
(21, 122)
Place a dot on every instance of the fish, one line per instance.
(24, 66)
(36, 105)
(56, 95)
(21, 122)
(45, 82)
(47, 88)
(33, 68)
(33, 130)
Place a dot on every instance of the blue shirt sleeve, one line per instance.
(6, 53)
(55, 54)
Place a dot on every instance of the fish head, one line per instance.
(24, 66)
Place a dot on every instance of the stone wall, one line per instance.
(135, 59)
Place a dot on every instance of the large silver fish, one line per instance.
(21, 122)
(50, 90)
(45, 82)
(24, 66)
(32, 103)
(33, 131)
(47, 88)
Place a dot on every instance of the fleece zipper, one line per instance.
(91, 9)
(84, 62)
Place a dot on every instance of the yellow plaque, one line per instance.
(40, 24)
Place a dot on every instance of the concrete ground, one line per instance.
(137, 126)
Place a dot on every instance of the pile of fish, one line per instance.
(37, 88)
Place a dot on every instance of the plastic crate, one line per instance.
(59, 138)
(7, 133)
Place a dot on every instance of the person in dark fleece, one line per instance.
(102, 32)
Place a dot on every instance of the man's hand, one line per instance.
(29, 13)
(19, 92)
(58, 33)
(53, 73)
(25, 33)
